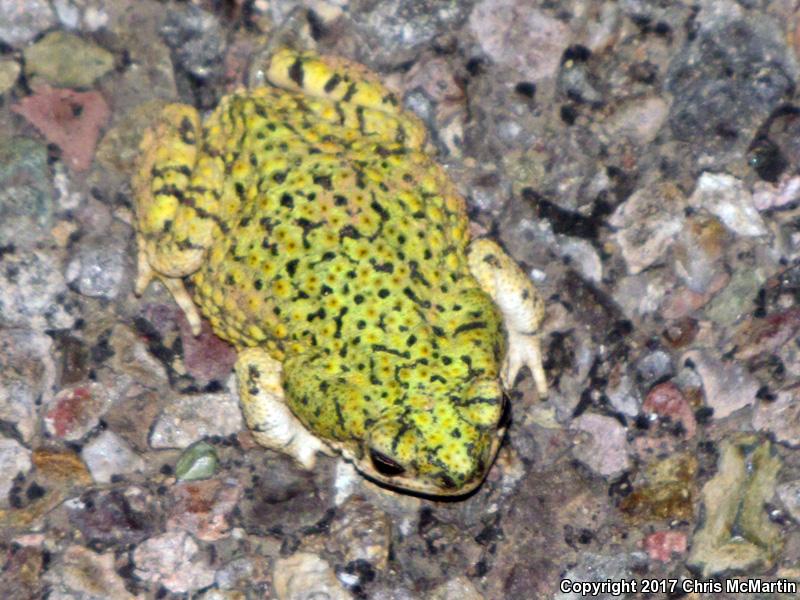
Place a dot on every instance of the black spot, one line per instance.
(291, 266)
(526, 88)
(331, 84)
(469, 327)
(383, 293)
(411, 340)
(447, 360)
(358, 298)
(324, 181)
(351, 90)
(340, 200)
(258, 284)
(568, 114)
(329, 255)
(186, 131)
(279, 176)
(287, 201)
(296, 72)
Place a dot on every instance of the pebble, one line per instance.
(648, 225)
(82, 573)
(66, 60)
(196, 39)
(780, 417)
(186, 419)
(767, 195)
(736, 299)
(789, 494)
(9, 73)
(726, 197)
(654, 366)
(33, 293)
(27, 376)
(198, 461)
(606, 450)
(361, 532)
(303, 576)
(665, 545)
(514, 34)
(26, 192)
(458, 588)
(728, 385)
(737, 534)
(71, 120)
(203, 508)
(76, 410)
(98, 267)
(599, 567)
(639, 120)
(175, 561)
(108, 455)
(14, 459)
(23, 20)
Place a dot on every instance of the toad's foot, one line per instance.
(520, 304)
(272, 423)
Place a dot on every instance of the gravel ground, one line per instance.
(639, 159)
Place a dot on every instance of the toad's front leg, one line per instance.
(520, 304)
(272, 423)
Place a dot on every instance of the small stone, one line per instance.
(197, 40)
(9, 73)
(14, 459)
(667, 400)
(204, 508)
(27, 376)
(187, 419)
(33, 293)
(81, 573)
(23, 20)
(97, 269)
(517, 35)
(88, 15)
(606, 450)
(206, 356)
(109, 455)
(76, 410)
(727, 385)
(727, 198)
(759, 337)
(648, 223)
(768, 195)
(114, 517)
(304, 575)
(599, 567)
(175, 561)
(66, 60)
(781, 417)
(639, 120)
(789, 493)
(664, 545)
(736, 299)
(736, 533)
(459, 588)
(663, 490)
(361, 532)
(70, 120)
(699, 252)
(654, 366)
(198, 461)
(26, 192)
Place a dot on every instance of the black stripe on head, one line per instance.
(296, 72)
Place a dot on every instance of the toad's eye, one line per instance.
(384, 465)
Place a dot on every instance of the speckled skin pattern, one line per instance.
(319, 238)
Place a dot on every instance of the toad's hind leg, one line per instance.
(272, 423)
(520, 304)
(175, 204)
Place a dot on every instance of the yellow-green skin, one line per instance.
(325, 234)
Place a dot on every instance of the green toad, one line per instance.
(319, 237)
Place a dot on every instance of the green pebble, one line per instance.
(9, 72)
(66, 60)
(198, 461)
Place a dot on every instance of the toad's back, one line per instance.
(331, 237)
